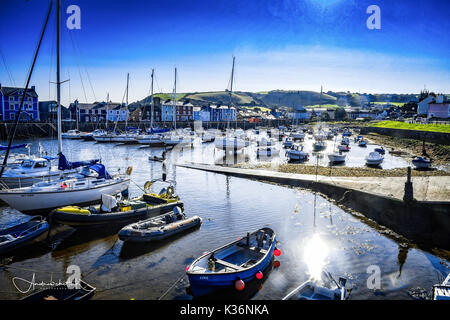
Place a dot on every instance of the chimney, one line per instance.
(33, 88)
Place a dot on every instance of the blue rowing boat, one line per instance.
(22, 234)
(233, 264)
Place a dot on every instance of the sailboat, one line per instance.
(173, 139)
(83, 187)
(232, 143)
(153, 138)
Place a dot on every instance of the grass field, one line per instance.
(413, 126)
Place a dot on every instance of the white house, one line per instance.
(422, 106)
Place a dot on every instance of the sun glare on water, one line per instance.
(315, 254)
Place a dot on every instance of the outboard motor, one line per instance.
(178, 213)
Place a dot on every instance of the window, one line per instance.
(11, 116)
(11, 107)
(40, 164)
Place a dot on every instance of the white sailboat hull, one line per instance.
(230, 144)
(27, 201)
(336, 158)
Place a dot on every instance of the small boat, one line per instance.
(156, 158)
(230, 143)
(422, 163)
(63, 292)
(159, 227)
(362, 143)
(111, 212)
(269, 151)
(442, 291)
(73, 134)
(299, 135)
(344, 148)
(319, 145)
(288, 143)
(336, 157)
(206, 138)
(22, 234)
(380, 150)
(153, 140)
(296, 153)
(313, 290)
(358, 138)
(165, 195)
(374, 159)
(232, 264)
(345, 141)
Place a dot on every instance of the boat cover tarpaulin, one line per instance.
(64, 164)
(158, 130)
(16, 146)
(101, 170)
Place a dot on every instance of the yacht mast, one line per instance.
(231, 94)
(175, 100)
(126, 115)
(151, 111)
(58, 73)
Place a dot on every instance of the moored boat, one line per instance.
(296, 153)
(344, 148)
(421, 163)
(374, 159)
(442, 291)
(336, 157)
(232, 264)
(111, 212)
(319, 290)
(22, 234)
(159, 227)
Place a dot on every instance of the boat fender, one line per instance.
(129, 170)
(64, 185)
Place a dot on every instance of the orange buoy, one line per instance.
(239, 285)
(259, 275)
(277, 252)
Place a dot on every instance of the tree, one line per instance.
(340, 114)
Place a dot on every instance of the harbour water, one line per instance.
(313, 234)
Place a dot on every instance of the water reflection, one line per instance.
(315, 256)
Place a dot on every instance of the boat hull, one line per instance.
(39, 227)
(115, 218)
(129, 235)
(204, 283)
(38, 202)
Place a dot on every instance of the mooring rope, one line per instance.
(171, 287)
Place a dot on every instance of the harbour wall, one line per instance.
(434, 137)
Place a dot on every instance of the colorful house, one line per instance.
(10, 99)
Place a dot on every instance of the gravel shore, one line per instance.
(342, 171)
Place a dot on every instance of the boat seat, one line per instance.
(260, 250)
(227, 264)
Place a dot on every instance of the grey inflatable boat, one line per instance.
(159, 228)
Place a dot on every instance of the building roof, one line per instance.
(6, 91)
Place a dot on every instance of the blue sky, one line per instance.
(290, 44)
